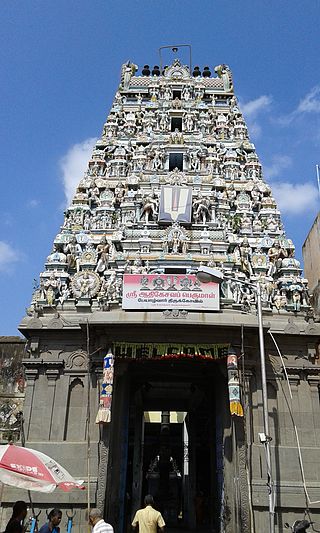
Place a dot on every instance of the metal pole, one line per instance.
(88, 423)
(23, 444)
(265, 411)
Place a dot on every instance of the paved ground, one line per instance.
(181, 529)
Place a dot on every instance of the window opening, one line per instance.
(176, 123)
(175, 270)
(175, 161)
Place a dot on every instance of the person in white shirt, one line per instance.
(99, 525)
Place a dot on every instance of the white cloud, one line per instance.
(311, 102)
(278, 163)
(253, 107)
(295, 198)
(33, 203)
(73, 164)
(254, 129)
(7, 256)
(251, 110)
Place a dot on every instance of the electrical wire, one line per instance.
(308, 499)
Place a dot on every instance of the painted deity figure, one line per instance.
(111, 288)
(189, 122)
(157, 160)
(167, 94)
(73, 251)
(186, 95)
(65, 293)
(51, 288)
(149, 208)
(163, 121)
(175, 239)
(56, 256)
(194, 160)
(119, 192)
(277, 300)
(127, 71)
(201, 209)
(224, 73)
(84, 284)
(176, 137)
(247, 298)
(245, 257)
(296, 300)
(256, 225)
(276, 254)
(103, 250)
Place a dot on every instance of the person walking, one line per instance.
(148, 519)
(99, 525)
(19, 512)
(54, 519)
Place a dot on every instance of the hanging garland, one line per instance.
(234, 386)
(104, 412)
(160, 350)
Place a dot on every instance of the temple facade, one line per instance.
(142, 377)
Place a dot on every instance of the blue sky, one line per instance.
(60, 64)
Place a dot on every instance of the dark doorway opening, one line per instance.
(175, 161)
(176, 123)
(172, 435)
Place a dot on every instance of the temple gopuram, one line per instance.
(142, 377)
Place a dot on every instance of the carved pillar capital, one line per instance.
(52, 375)
(295, 375)
(313, 381)
(31, 369)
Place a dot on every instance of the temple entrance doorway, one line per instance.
(174, 443)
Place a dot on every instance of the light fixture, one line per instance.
(206, 275)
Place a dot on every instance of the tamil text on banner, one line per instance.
(169, 291)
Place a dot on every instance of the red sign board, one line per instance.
(169, 291)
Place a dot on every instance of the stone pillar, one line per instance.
(241, 475)
(137, 459)
(314, 383)
(187, 503)
(103, 465)
(228, 522)
(58, 425)
(31, 373)
(117, 467)
(294, 380)
(52, 375)
(192, 469)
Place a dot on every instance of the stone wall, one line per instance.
(12, 387)
(55, 412)
(311, 254)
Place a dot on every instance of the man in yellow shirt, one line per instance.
(148, 518)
